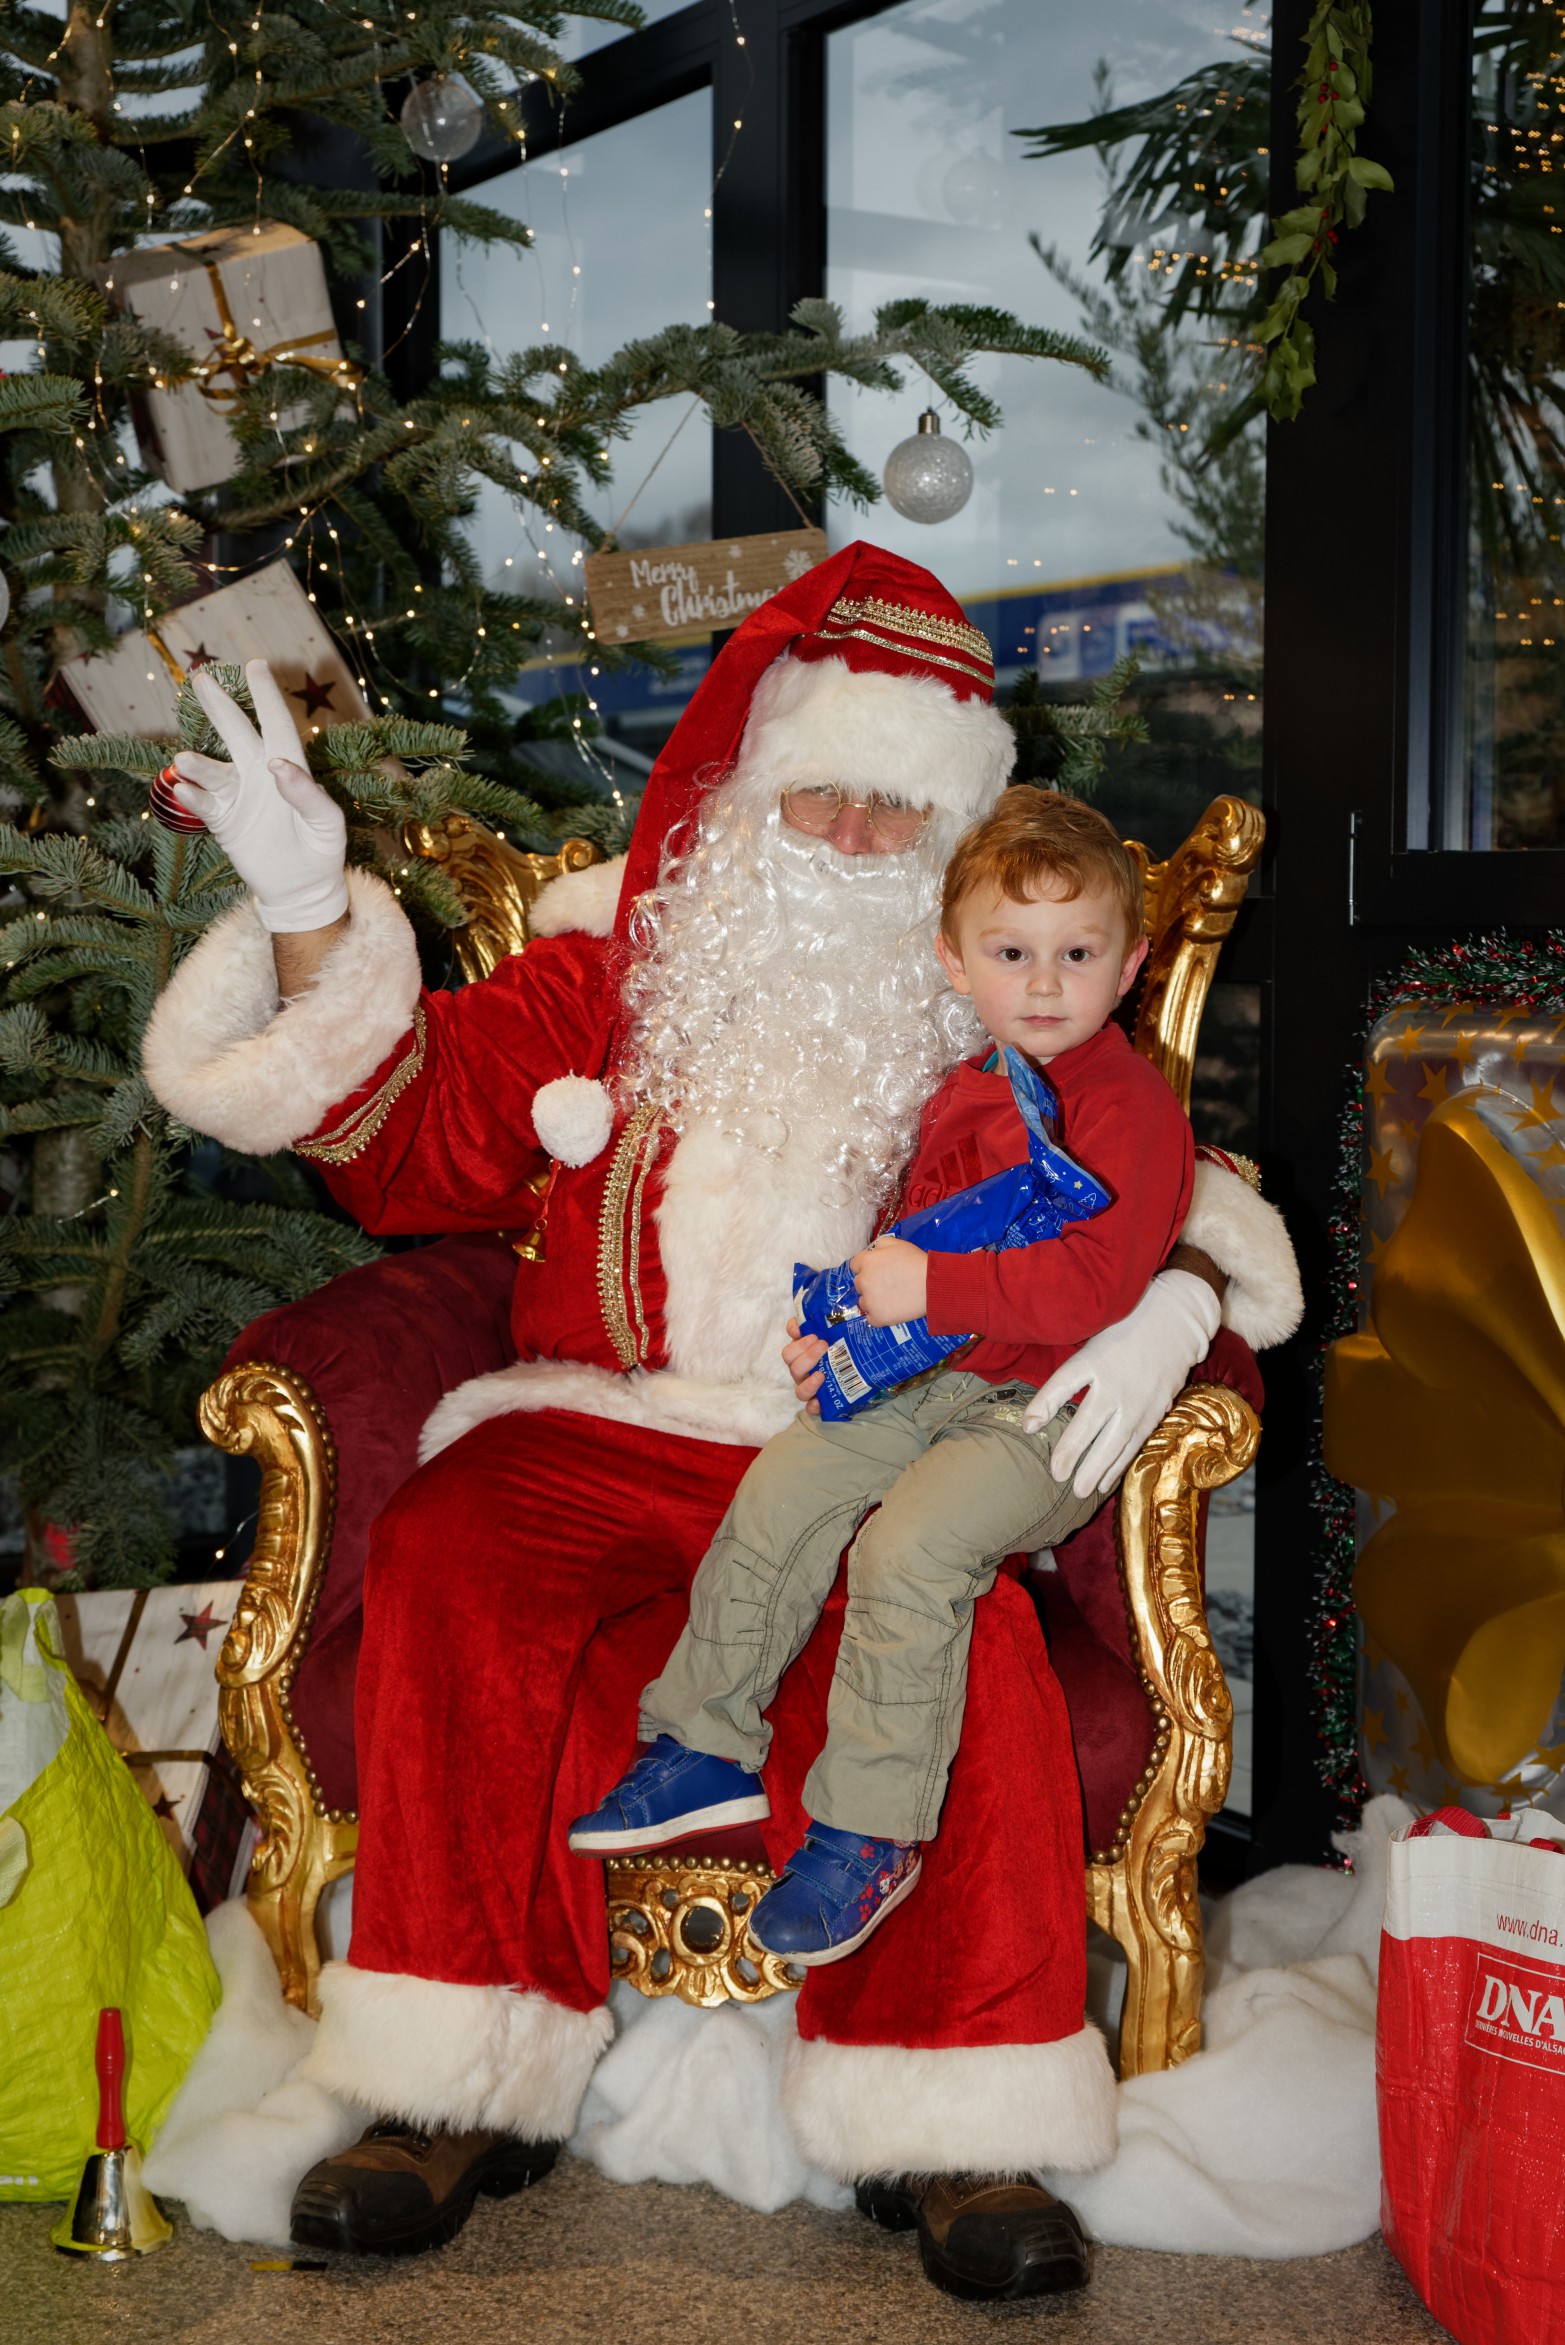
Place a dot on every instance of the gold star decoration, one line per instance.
(1377, 1247)
(1547, 1158)
(1462, 1050)
(1377, 1079)
(1399, 1781)
(1374, 1730)
(1433, 1086)
(1400, 1698)
(1551, 1755)
(1422, 1745)
(1409, 1038)
(1541, 1111)
(1380, 1170)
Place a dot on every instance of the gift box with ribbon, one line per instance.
(242, 301)
(132, 688)
(1447, 1409)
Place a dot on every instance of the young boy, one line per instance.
(1041, 925)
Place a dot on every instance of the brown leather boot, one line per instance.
(398, 2189)
(978, 2237)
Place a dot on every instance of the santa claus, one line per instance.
(722, 1044)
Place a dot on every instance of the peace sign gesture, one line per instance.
(281, 832)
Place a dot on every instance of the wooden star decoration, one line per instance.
(315, 695)
(198, 1626)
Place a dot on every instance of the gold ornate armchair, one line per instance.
(677, 1924)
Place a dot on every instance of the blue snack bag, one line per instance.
(1018, 1207)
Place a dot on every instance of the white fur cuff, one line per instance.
(573, 1117)
(225, 1056)
(462, 2059)
(579, 903)
(857, 2110)
(1247, 1239)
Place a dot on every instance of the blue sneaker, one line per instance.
(833, 1892)
(669, 1793)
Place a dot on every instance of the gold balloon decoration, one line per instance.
(1451, 1405)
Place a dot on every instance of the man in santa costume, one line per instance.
(722, 1044)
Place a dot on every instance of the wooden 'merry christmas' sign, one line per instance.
(132, 688)
(241, 301)
(693, 590)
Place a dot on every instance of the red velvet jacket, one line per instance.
(455, 1149)
(1035, 1305)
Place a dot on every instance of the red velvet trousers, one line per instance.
(521, 1589)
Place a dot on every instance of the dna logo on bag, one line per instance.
(1470, 2071)
(1517, 2012)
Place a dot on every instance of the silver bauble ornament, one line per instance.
(441, 119)
(928, 478)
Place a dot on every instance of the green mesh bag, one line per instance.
(93, 1911)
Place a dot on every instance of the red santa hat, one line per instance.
(865, 672)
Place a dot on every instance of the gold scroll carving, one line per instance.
(1142, 1889)
(681, 1927)
(269, 1413)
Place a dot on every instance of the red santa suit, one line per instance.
(530, 1577)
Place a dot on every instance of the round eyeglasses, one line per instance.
(817, 809)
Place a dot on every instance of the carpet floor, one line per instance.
(581, 2260)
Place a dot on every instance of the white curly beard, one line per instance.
(789, 1015)
(790, 995)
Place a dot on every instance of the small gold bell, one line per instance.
(114, 2215)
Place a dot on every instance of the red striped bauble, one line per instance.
(167, 808)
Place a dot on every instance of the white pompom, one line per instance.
(573, 1117)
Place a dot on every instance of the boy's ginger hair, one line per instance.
(1037, 842)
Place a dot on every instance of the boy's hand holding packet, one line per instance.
(1022, 1206)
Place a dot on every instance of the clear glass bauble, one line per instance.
(441, 119)
(928, 478)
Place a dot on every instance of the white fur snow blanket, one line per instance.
(1263, 2145)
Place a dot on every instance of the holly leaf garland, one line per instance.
(1338, 180)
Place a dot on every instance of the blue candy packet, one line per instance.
(1021, 1206)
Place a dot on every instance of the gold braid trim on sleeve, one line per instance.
(638, 1146)
(357, 1129)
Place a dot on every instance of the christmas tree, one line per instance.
(130, 1257)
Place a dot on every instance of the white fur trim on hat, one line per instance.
(1247, 1239)
(581, 903)
(573, 1117)
(907, 736)
(226, 1056)
(455, 2057)
(857, 2110)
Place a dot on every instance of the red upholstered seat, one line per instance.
(379, 1346)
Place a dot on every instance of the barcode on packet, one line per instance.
(847, 1375)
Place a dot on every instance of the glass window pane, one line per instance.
(600, 272)
(579, 35)
(1509, 786)
(1092, 529)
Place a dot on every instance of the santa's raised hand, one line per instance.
(279, 829)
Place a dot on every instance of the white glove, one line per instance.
(1133, 1372)
(281, 832)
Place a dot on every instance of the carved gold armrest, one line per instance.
(1142, 1889)
(270, 1414)
(1191, 901)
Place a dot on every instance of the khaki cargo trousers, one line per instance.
(959, 1486)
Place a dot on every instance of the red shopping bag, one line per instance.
(1470, 2067)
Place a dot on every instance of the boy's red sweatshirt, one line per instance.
(1032, 1307)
